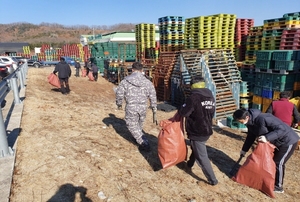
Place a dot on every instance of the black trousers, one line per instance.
(95, 75)
(77, 72)
(281, 156)
(199, 154)
(64, 85)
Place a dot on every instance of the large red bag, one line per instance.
(91, 77)
(83, 72)
(53, 80)
(171, 143)
(259, 169)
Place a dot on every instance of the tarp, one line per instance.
(171, 143)
(259, 169)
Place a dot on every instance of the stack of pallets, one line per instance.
(171, 33)
(274, 28)
(253, 44)
(162, 74)
(145, 40)
(201, 32)
(242, 29)
(226, 30)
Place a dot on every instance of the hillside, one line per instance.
(53, 33)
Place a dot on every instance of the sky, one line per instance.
(111, 12)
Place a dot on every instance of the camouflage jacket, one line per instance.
(136, 89)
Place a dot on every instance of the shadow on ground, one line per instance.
(121, 129)
(67, 193)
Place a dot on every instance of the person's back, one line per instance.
(199, 121)
(284, 109)
(63, 69)
(138, 88)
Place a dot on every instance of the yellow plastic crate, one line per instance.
(257, 99)
(296, 101)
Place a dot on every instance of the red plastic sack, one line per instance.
(53, 80)
(259, 169)
(91, 77)
(171, 143)
(83, 72)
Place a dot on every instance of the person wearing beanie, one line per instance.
(199, 110)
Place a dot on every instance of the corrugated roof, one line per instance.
(12, 47)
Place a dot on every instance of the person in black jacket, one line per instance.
(266, 127)
(64, 72)
(199, 110)
(77, 67)
(94, 69)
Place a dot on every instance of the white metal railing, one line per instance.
(13, 82)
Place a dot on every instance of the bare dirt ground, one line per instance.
(77, 148)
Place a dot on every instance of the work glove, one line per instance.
(119, 107)
(242, 153)
(262, 139)
(154, 109)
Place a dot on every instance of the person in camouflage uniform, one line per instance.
(136, 89)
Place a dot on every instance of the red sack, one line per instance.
(171, 143)
(91, 77)
(53, 80)
(83, 72)
(259, 169)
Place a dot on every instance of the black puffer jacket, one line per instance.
(276, 131)
(63, 69)
(199, 111)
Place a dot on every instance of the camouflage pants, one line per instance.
(135, 116)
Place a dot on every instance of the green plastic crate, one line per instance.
(283, 86)
(264, 64)
(285, 65)
(256, 106)
(264, 55)
(283, 55)
(283, 78)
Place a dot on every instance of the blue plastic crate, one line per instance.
(267, 93)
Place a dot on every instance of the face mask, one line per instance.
(245, 122)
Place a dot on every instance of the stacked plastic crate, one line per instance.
(273, 29)
(171, 33)
(253, 44)
(276, 71)
(145, 39)
(242, 29)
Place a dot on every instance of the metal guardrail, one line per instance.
(13, 82)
